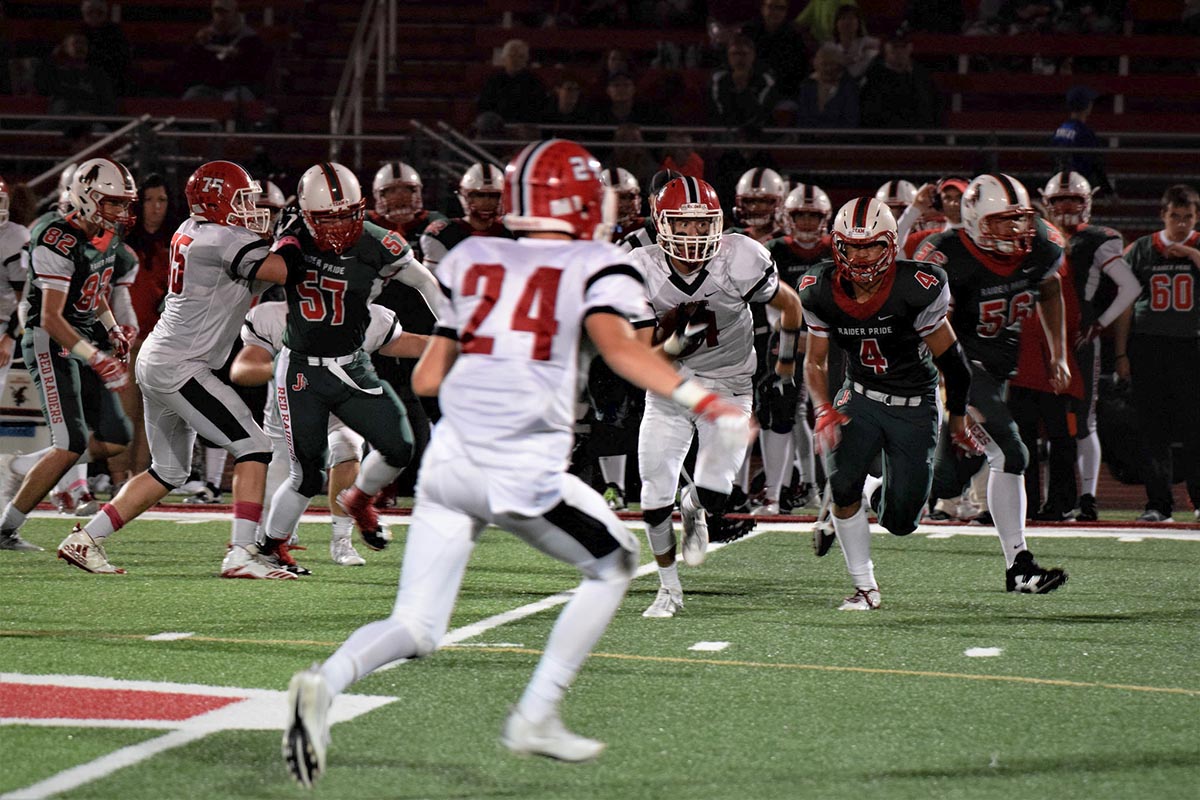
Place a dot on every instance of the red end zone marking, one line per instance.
(29, 701)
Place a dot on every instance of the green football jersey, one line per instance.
(62, 258)
(1168, 304)
(328, 312)
(993, 295)
(882, 338)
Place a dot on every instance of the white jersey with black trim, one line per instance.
(742, 272)
(264, 327)
(210, 290)
(517, 309)
(14, 266)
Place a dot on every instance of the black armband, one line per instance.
(293, 256)
(12, 325)
(789, 343)
(954, 368)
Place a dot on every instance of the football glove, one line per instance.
(110, 370)
(828, 432)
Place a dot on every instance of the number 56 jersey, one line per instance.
(210, 290)
(517, 309)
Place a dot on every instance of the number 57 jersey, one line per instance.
(517, 309)
(210, 290)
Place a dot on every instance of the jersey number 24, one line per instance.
(534, 312)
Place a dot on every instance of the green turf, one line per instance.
(805, 702)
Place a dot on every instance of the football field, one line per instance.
(168, 682)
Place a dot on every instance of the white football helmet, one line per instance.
(272, 197)
(101, 182)
(64, 188)
(629, 194)
(332, 205)
(802, 206)
(864, 221)
(398, 209)
(898, 195)
(4, 200)
(759, 197)
(998, 216)
(1068, 185)
(480, 192)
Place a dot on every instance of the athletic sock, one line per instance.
(854, 535)
(375, 473)
(104, 524)
(777, 456)
(12, 519)
(613, 470)
(1006, 501)
(214, 465)
(246, 517)
(1088, 461)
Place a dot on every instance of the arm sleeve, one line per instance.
(418, 276)
(905, 223)
(1128, 287)
(384, 327)
(245, 253)
(952, 363)
(122, 306)
(934, 314)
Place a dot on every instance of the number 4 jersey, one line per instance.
(993, 296)
(882, 337)
(210, 290)
(517, 309)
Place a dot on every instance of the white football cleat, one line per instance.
(342, 551)
(666, 604)
(81, 550)
(240, 562)
(695, 528)
(861, 600)
(547, 738)
(766, 510)
(306, 735)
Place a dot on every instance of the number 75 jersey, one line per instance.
(517, 309)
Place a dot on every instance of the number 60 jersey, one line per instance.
(517, 309)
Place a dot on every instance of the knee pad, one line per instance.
(344, 445)
(618, 566)
(656, 516)
(712, 501)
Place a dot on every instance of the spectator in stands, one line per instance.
(565, 106)
(897, 92)
(817, 16)
(1075, 133)
(681, 156)
(514, 93)
(622, 106)
(850, 34)
(743, 93)
(935, 16)
(1090, 16)
(73, 85)
(108, 48)
(157, 219)
(227, 60)
(829, 97)
(779, 47)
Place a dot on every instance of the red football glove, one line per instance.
(734, 427)
(110, 370)
(829, 428)
(1088, 334)
(965, 443)
(121, 337)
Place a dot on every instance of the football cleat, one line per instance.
(862, 600)
(615, 497)
(548, 738)
(666, 604)
(766, 510)
(244, 562)
(306, 735)
(64, 502)
(81, 550)
(358, 506)
(86, 505)
(695, 528)
(1154, 515)
(726, 529)
(11, 540)
(1087, 509)
(343, 553)
(1026, 577)
(278, 553)
(377, 539)
(208, 495)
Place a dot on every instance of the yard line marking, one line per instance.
(169, 636)
(982, 652)
(709, 647)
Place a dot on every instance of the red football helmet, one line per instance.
(4, 200)
(864, 222)
(683, 201)
(555, 186)
(224, 193)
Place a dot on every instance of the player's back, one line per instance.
(210, 289)
(517, 308)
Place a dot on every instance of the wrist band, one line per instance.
(106, 319)
(789, 341)
(84, 349)
(690, 394)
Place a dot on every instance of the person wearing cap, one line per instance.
(943, 200)
(1075, 133)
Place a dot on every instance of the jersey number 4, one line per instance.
(871, 356)
(534, 312)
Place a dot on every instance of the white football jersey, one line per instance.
(517, 309)
(264, 327)
(14, 266)
(210, 290)
(742, 272)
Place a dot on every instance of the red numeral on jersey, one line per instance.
(62, 242)
(94, 287)
(179, 247)
(312, 293)
(1172, 292)
(534, 312)
(394, 243)
(871, 356)
(1001, 313)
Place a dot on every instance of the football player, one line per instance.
(629, 200)
(321, 368)
(648, 233)
(73, 259)
(889, 317)
(274, 201)
(220, 261)
(1093, 251)
(479, 192)
(400, 205)
(1162, 358)
(504, 364)
(14, 267)
(701, 283)
(1002, 266)
(758, 204)
(898, 195)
